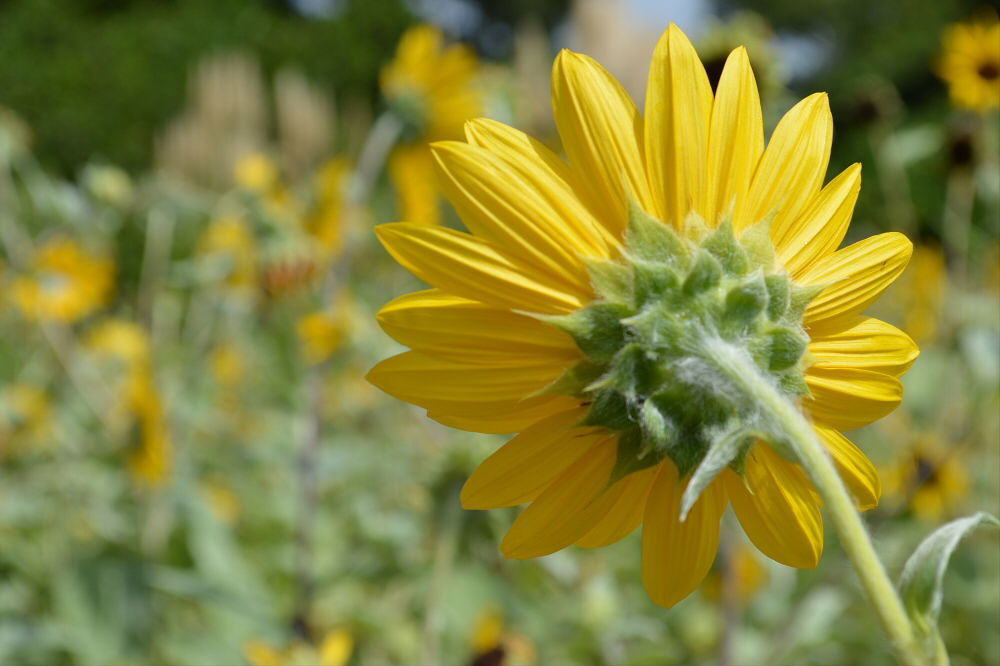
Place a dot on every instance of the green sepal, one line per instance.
(800, 297)
(609, 410)
(574, 382)
(779, 296)
(597, 329)
(793, 383)
(612, 280)
(922, 580)
(695, 228)
(785, 347)
(660, 431)
(723, 245)
(745, 302)
(726, 445)
(653, 281)
(653, 240)
(705, 274)
(630, 373)
(632, 456)
(756, 241)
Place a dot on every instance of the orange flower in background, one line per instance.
(581, 310)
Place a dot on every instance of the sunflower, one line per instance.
(584, 309)
(970, 63)
(432, 88)
(929, 479)
(64, 283)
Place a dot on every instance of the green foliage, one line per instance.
(101, 78)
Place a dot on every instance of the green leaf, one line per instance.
(921, 582)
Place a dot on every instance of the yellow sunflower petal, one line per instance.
(865, 343)
(626, 514)
(854, 467)
(565, 510)
(471, 267)
(855, 276)
(601, 132)
(677, 555)
(778, 508)
(457, 329)
(822, 226)
(523, 467)
(736, 139)
(793, 166)
(509, 420)
(678, 110)
(458, 387)
(498, 205)
(849, 398)
(550, 176)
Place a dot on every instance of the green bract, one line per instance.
(649, 372)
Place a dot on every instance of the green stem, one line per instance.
(744, 375)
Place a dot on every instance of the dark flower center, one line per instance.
(989, 71)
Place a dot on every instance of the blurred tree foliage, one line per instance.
(102, 76)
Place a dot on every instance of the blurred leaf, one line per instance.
(923, 576)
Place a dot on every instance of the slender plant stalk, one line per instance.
(744, 375)
(381, 138)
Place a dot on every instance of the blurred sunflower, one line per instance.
(747, 571)
(970, 63)
(585, 323)
(231, 240)
(127, 344)
(320, 334)
(929, 479)
(334, 650)
(432, 88)
(25, 417)
(63, 283)
(494, 644)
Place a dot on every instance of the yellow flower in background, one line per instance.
(321, 334)
(64, 282)
(127, 343)
(333, 650)
(325, 222)
(228, 366)
(25, 416)
(970, 63)
(493, 643)
(930, 480)
(256, 172)
(122, 339)
(747, 570)
(921, 292)
(411, 169)
(259, 174)
(431, 85)
(222, 501)
(569, 315)
(231, 239)
(433, 89)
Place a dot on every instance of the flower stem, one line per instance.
(743, 374)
